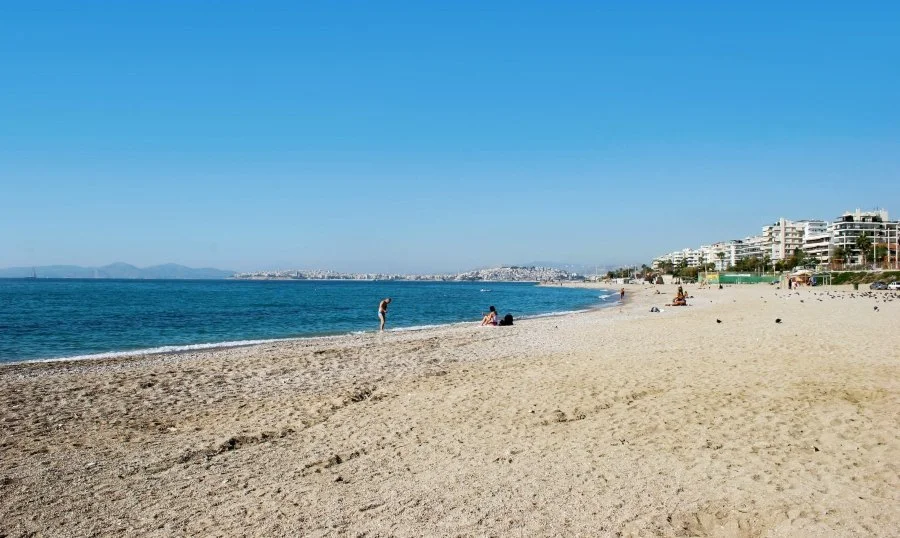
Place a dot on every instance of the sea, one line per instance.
(44, 319)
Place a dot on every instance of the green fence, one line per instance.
(740, 278)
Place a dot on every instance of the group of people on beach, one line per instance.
(491, 318)
(796, 282)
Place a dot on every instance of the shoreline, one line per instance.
(711, 419)
(174, 349)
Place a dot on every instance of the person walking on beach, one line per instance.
(382, 311)
(622, 294)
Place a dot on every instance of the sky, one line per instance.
(435, 136)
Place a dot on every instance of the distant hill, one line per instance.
(169, 271)
(579, 268)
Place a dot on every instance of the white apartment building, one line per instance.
(728, 251)
(783, 238)
(816, 237)
(692, 257)
(846, 230)
(755, 246)
(818, 244)
(814, 227)
(673, 257)
(695, 257)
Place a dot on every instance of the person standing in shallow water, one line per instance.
(622, 294)
(382, 311)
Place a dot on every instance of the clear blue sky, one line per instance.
(425, 136)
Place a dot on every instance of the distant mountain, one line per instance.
(174, 271)
(169, 271)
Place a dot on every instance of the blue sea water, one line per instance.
(48, 318)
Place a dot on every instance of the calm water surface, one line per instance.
(42, 319)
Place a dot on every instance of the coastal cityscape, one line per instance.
(854, 240)
(449, 269)
(507, 274)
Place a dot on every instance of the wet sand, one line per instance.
(617, 421)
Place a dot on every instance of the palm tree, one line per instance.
(721, 256)
(863, 243)
(839, 254)
(881, 252)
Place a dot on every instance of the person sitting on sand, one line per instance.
(680, 299)
(490, 318)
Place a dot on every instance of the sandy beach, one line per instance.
(618, 422)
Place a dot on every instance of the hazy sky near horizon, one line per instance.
(417, 136)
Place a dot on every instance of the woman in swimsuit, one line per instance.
(490, 318)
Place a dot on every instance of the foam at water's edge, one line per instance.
(424, 327)
(555, 314)
(154, 351)
(172, 349)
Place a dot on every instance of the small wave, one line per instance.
(161, 349)
(607, 296)
(554, 314)
(423, 327)
(484, 290)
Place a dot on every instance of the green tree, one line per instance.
(838, 256)
(881, 252)
(689, 273)
(747, 264)
(721, 256)
(798, 257)
(864, 244)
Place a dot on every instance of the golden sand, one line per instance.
(613, 422)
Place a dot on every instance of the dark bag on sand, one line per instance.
(507, 320)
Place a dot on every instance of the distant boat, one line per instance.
(33, 275)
